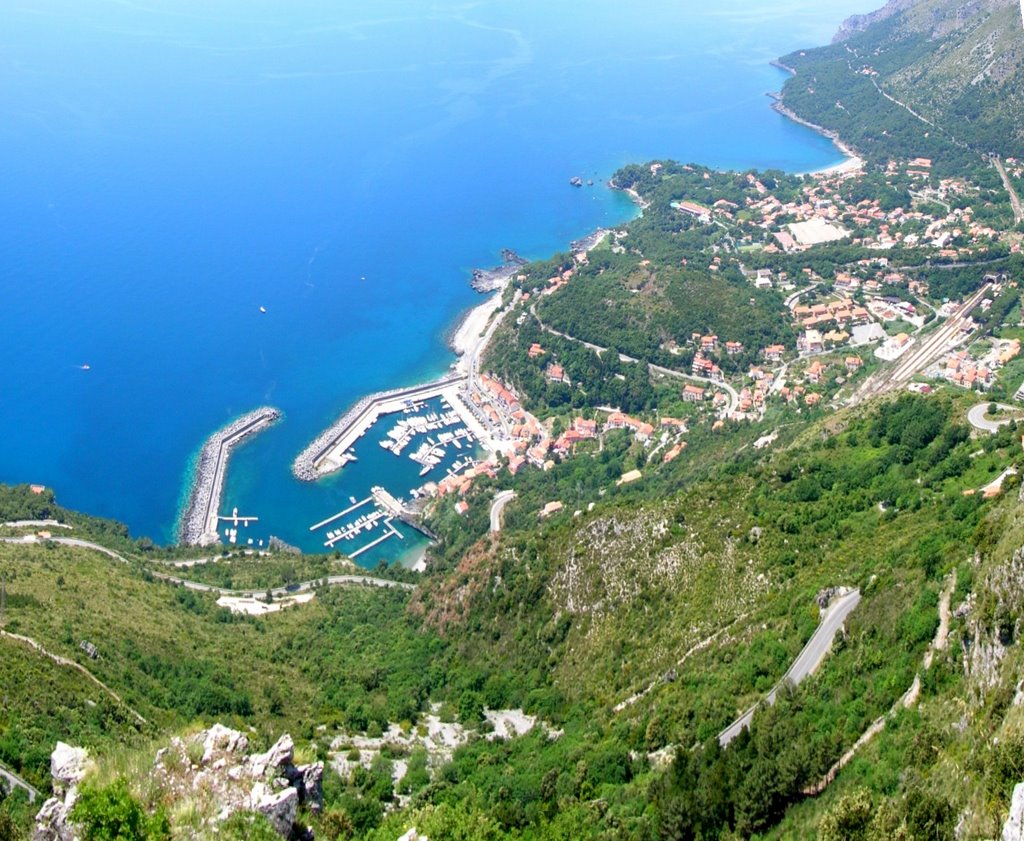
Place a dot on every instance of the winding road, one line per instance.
(501, 499)
(11, 781)
(976, 417)
(277, 592)
(805, 664)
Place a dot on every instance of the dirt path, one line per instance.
(71, 664)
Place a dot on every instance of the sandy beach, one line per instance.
(468, 333)
(853, 162)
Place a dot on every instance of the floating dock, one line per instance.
(391, 532)
(355, 506)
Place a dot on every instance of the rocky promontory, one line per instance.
(490, 280)
(208, 775)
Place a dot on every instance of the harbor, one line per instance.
(422, 441)
(200, 518)
(431, 435)
(333, 449)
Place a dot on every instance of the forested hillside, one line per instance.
(635, 632)
(933, 79)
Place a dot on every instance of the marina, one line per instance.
(429, 433)
(332, 450)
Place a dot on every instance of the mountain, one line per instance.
(942, 75)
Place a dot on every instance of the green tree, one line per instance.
(849, 819)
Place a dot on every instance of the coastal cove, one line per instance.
(372, 180)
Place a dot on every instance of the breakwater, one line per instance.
(329, 451)
(198, 525)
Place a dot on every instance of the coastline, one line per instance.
(852, 163)
(467, 339)
(473, 323)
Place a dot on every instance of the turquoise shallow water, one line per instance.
(170, 168)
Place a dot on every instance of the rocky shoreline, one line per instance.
(589, 242)
(779, 106)
(490, 280)
(208, 479)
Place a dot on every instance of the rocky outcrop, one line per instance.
(210, 771)
(491, 280)
(858, 23)
(1013, 829)
(68, 766)
(826, 595)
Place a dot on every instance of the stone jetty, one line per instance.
(198, 525)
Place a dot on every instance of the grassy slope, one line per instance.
(174, 656)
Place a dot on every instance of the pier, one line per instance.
(397, 510)
(391, 532)
(330, 451)
(353, 507)
(199, 520)
(366, 522)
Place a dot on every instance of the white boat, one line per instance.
(263, 309)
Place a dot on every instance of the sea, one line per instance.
(170, 167)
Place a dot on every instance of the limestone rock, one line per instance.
(226, 780)
(52, 821)
(1013, 829)
(221, 739)
(309, 783)
(280, 756)
(279, 807)
(67, 766)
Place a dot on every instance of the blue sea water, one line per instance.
(170, 166)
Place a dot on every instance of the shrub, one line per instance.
(111, 813)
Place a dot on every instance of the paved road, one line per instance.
(1018, 212)
(277, 592)
(10, 781)
(976, 417)
(794, 298)
(806, 663)
(501, 499)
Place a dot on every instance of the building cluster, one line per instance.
(822, 213)
(977, 371)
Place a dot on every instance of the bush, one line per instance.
(111, 813)
(248, 826)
